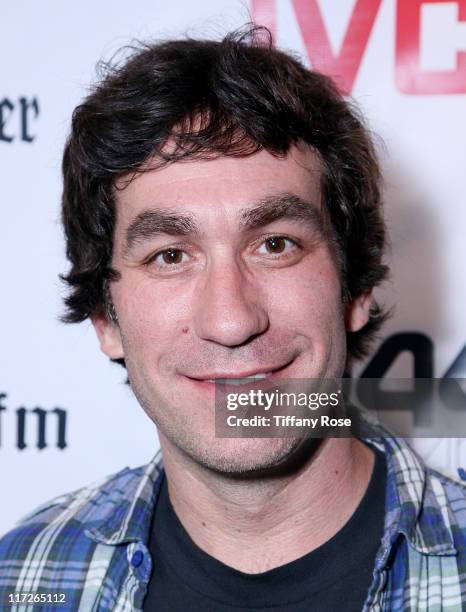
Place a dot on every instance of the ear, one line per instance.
(357, 312)
(109, 336)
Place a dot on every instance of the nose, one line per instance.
(229, 310)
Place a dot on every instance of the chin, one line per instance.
(250, 457)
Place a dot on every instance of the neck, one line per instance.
(256, 525)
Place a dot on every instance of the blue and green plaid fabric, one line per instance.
(92, 545)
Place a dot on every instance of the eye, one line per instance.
(277, 245)
(169, 257)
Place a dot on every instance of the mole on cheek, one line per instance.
(184, 330)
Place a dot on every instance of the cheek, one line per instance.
(150, 315)
(308, 303)
(308, 296)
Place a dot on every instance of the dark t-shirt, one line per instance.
(335, 576)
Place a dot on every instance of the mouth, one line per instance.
(242, 378)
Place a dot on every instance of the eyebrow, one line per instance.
(284, 206)
(152, 222)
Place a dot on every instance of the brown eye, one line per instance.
(168, 258)
(172, 256)
(278, 248)
(276, 244)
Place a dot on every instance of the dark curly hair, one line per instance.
(229, 97)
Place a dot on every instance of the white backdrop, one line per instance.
(407, 73)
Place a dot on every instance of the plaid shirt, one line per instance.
(92, 545)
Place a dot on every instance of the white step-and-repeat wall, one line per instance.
(66, 416)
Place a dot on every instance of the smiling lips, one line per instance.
(240, 381)
(239, 378)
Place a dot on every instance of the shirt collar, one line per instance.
(127, 504)
(416, 505)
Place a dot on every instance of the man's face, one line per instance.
(226, 272)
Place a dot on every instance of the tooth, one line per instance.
(241, 381)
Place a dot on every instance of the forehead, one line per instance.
(220, 186)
